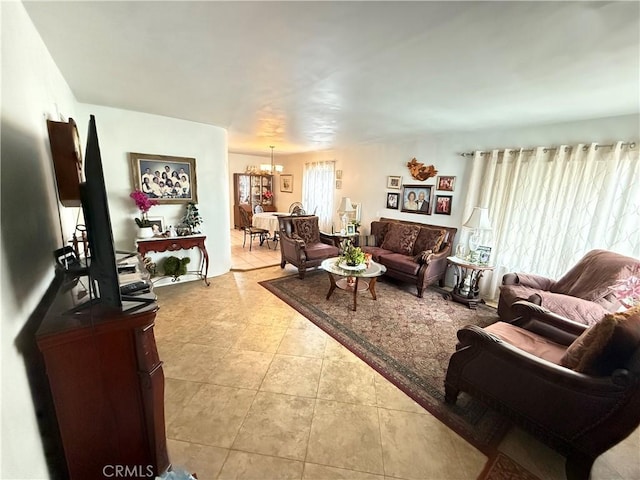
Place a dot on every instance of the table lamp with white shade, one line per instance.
(478, 223)
(345, 209)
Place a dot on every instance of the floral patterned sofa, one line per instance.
(412, 252)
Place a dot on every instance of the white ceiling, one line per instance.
(313, 75)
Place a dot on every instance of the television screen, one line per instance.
(103, 270)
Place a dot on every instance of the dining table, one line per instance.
(268, 221)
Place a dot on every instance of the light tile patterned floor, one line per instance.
(256, 391)
(260, 256)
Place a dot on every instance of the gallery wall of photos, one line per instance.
(421, 199)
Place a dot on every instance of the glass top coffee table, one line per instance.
(351, 277)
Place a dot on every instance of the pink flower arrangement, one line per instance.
(143, 202)
(268, 194)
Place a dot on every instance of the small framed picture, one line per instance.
(443, 204)
(416, 199)
(286, 183)
(446, 183)
(394, 182)
(338, 184)
(157, 225)
(393, 200)
(484, 254)
(351, 229)
(338, 174)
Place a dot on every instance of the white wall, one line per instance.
(366, 167)
(32, 90)
(123, 131)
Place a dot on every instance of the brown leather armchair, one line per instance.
(301, 243)
(583, 294)
(518, 369)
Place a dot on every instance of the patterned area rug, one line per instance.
(503, 467)
(407, 339)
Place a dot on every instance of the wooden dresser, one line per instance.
(107, 384)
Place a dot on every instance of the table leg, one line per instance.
(355, 294)
(333, 285)
(205, 257)
(372, 287)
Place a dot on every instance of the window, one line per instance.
(318, 192)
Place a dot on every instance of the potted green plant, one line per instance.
(352, 256)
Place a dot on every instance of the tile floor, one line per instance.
(259, 257)
(256, 391)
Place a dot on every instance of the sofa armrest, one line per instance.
(472, 336)
(539, 320)
(577, 309)
(527, 280)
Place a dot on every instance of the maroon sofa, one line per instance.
(412, 252)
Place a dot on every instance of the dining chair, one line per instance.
(252, 231)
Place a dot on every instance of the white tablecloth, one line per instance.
(267, 220)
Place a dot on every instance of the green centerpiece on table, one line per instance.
(352, 256)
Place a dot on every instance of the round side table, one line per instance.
(466, 289)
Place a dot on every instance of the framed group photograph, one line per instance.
(445, 183)
(163, 178)
(286, 183)
(416, 199)
(394, 182)
(443, 204)
(393, 200)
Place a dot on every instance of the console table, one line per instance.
(467, 279)
(171, 244)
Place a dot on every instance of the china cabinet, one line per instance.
(252, 189)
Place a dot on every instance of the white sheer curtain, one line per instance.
(550, 206)
(318, 191)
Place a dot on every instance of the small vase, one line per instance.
(145, 232)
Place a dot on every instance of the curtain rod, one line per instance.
(549, 149)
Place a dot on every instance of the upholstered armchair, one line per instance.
(575, 387)
(301, 243)
(583, 294)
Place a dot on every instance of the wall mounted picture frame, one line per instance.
(338, 174)
(338, 184)
(394, 182)
(443, 204)
(164, 178)
(286, 183)
(157, 225)
(393, 200)
(446, 183)
(416, 199)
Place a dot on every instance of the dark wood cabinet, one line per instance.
(252, 189)
(107, 385)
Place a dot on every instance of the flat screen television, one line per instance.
(103, 269)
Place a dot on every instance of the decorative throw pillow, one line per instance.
(400, 238)
(307, 229)
(429, 239)
(605, 346)
(423, 257)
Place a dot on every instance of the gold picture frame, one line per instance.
(150, 174)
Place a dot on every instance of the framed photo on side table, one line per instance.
(286, 183)
(351, 229)
(163, 178)
(157, 225)
(443, 204)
